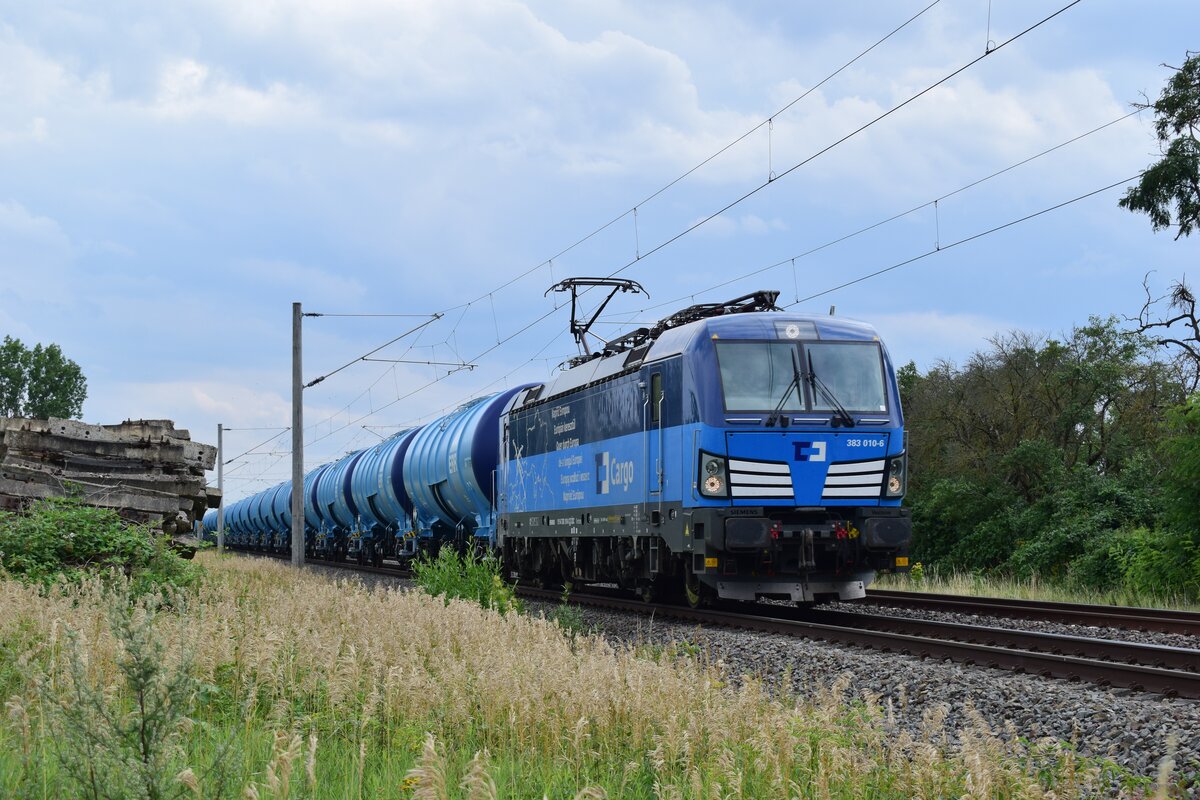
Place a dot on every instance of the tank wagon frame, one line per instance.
(732, 450)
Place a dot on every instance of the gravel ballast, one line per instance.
(1134, 729)
(1131, 728)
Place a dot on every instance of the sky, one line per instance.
(173, 176)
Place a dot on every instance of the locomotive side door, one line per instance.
(654, 438)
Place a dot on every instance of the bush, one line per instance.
(1181, 450)
(465, 577)
(63, 539)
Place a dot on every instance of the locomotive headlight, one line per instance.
(897, 467)
(712, 476)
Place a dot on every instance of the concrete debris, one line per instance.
(146, 470)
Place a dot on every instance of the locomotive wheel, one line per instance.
(647, 591)
(695, 592)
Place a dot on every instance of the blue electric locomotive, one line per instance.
(732, 451)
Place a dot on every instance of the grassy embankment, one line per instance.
(1030, 589)
(264, 683)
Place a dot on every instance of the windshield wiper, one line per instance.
(776, 415)
(815, 381)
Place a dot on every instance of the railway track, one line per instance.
(1171, 671)
(1143, 619)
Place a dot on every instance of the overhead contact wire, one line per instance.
(260, 444)
(874, 225)
(706, 161)
(843, 139)
(964, 240)
(653, 195)
(740, 199)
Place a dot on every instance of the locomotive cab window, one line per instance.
(853, 372)
(755, 376)
(758, 376)
(656, 396)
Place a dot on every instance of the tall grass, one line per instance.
(292, 685)
(929, 580)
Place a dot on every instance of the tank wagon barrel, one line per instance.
(335, 507)
(312, 514)
(449, 470)
(384, 506)
(281, 507)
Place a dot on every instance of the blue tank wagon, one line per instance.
(280, 517)
(449, 473)
(336, 535)
(385, 510)
(208, 526)
(732, 451)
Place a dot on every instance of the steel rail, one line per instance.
(1144, 619)
(1139, 677)
(1149, 655)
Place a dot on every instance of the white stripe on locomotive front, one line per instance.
(860, 466)
(770, 467)
(869, 479)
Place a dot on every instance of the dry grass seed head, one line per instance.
(429, 775)
(478, 782)
(189, 781)
(310, 761)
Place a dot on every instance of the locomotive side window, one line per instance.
(656, 396)
(852, 371)
(755, 375)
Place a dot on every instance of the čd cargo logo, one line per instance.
(610, 472)
(809, 451)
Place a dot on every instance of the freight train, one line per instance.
(732, 450)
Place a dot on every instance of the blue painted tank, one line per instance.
(281, 507)
(448, 470)
(333, 493)
(209, 521)
(267, 510)
(313, 519)
(233, 518)
(377, 486)
(259, 530)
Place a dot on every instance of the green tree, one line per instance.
(1172, 184)
(39, 383)
(1034, 447)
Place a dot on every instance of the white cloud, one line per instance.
(188, 89)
